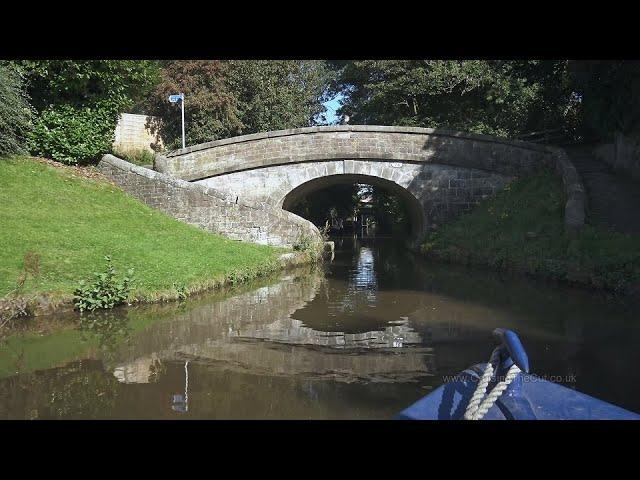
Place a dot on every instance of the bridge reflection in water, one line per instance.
(362, 337)
(375, 316)
(257, 331)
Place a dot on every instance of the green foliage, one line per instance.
(83, 83)
(140, 156)
(15, 112)
(484, 96)
(304, 244)
(279, 94)
(210, 106)
(610, 95)
(522, 229)
(229, 98)
(78, 103)
(325, 231)
(390, 211)
(74, 135)
(14, 305)
(181, 290)
(333, 201)
(106, 291)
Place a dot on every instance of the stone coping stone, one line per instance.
(357, 128)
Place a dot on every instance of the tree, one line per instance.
(495, 97)
(15, 112)
(318, 206)
(87, 82)
(211, 107)
(78, 103)
(280, 94)
(609, 92)
(229, 98)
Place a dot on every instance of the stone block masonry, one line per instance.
(440, 173)
(353, 142)
(433, 193)
(242, 187)
(208, 209)
(132, 134)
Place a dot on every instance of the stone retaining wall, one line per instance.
(207, 208)
(623, 155)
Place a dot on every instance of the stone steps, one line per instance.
(613, 199)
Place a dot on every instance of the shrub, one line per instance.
(15, 112)
(139, 156)
(181, 290)
(324, 231)
(106, 291)
(12, 307)
(78, 102)
(74, 135)
(303, 244)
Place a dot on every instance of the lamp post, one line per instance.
(179, 98)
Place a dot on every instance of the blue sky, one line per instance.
(332, 105)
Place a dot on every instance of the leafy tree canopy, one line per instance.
(280, 94)
(494, 97)
(87, 82)
(211, 109)
(227, 98)
(610, 95)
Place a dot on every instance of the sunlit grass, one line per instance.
(71, 223)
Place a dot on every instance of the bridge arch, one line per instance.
(412, 203)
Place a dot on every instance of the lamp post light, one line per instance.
(179, 98)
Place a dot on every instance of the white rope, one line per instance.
(480, 402)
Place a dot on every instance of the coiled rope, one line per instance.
(480, 402)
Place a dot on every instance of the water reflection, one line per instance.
(293, 331)
(364, 337)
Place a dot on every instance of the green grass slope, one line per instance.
(72, 222)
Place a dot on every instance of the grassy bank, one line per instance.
(521, 229)
(58, 223)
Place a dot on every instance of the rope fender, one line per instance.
(481, 402)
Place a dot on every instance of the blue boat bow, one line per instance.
(526, 396)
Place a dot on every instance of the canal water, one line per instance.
(362, 337)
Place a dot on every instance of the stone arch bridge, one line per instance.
(251, 181)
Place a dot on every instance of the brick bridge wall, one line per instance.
(207, 208)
